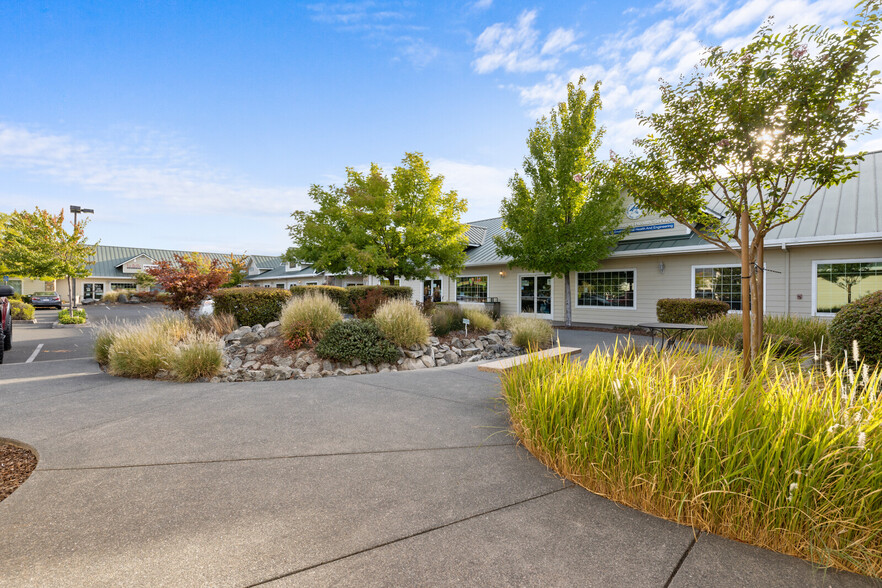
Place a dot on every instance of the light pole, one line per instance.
(73, 288)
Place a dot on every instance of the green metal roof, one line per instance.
(107, 259)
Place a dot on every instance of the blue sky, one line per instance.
(201, 125)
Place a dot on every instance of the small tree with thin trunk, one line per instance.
(564, 221)
(748, 139)
(189, 280)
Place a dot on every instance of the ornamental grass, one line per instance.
(402, 323)
(529, 333)
(315, 311)
(725, 330)
(479, 320)
(785, 460)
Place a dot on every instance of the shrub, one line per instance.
(146, 295)
(220, 324)
(21, 310)
(103, 342)
(506, 321)
(172, 326)
(335, 293)
(402, 323)
(725, 330)
(479, 320)
(298, 336)
(78, 318)
(198, 357)
(778, 459)
(356, 339)
(251, 306)
(859, 321)
(365, 300)
(689, 310)
(189, 280)
(532, 333)
(447, 318)
(139, 351)
(314, 310)
(110, 297)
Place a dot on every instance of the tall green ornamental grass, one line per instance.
(725, 330)
(785, 460)
(530, 333)
(315, 311)
(197, 357)
(402, 323)
(480, 320)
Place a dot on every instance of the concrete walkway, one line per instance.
(379, 480)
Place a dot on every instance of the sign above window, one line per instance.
(138, 264)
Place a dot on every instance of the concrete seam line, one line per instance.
(277, 457)
(406, 537)
(34, 354)
(421, 395)
(682, 559)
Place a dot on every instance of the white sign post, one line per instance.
(466, 322)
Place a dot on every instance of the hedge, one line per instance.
(356, 339)
(21, 310)
(365, 300)
(335, 293)
(251, 306)
(859, 321)
(689, 310)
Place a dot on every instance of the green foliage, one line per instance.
(36, 245)
(139, 351)
(199, 357)
(480, 320)
(144, 280)
(388, 227)
(564, 220)
(689, 310)
(78, 317)
(189, 280)
(103, 342)
(859, 321)
(251, 306)
(780, 459)
(356, 339)
(725, 330)
(447, 318)
(21, 311)
(238, 271)
(314, 310)
(335, 293)
(772, 118)
(365, 300)
(530, 333)
(402, 323)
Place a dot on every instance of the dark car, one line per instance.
(5, 320)
(46, 300)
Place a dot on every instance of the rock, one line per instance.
(455, 342)
(273, 325)
(248, 338)
(256, 328)
(237, 334)
(356, 362)
(301, 363)
(370, 368)
(328, 366)
(469, 351)
(474, 358)
(495, 338)
(383, 366)
(451, 357)
(236, 363)
(272, 332)
(434, 341)
(384, 370)
(441, 362)
(428, 361)
(415, 347)
(413, 354)
(260, 349)
(479, 344)
(215, 380)
(412, 364)
(252, 356)
(283, 361)
(312, 370)
(256, 375)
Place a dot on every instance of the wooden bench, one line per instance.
(502, 365)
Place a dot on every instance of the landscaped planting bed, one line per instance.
(16, 465)
(785, 459)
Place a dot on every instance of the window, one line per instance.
(606, 289)
(722, 282)
(280, 286)
(535, 294)
(432, 290)
(122, 286)
(394, 282)
(312, 283)
(93, 291)
(839, 282)
(471, 289)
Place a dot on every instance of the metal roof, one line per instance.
(108, 259)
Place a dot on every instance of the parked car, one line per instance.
(5, 320)
(46, 300)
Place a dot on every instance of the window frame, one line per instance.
(608, 308)
(439, 279)
(535, 314)
(456, 287)
(738, 265)
(123, 286)
(814, 279)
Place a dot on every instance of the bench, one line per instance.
(503, 365)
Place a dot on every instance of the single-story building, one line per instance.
(829, 256)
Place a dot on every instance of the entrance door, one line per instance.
(432, 290)
(93, 291)
(535, 294)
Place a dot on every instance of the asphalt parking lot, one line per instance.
(41, 342)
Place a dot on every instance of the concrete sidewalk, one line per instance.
(387, 479)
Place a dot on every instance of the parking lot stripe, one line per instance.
(34, 354)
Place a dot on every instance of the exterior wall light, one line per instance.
(661, 267)
(502, 274)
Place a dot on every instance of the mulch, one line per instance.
(16, 464)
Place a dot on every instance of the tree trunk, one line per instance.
(568, 304)
(759, 335)
(71, 294)
(745, 288)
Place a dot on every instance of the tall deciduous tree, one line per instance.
(404, 226)
(36, 245)
(745, 142)
(564, 220)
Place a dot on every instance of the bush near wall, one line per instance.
(356, 339)
(859, 321)
(689, 310)
(365, 300)
(335, 293)
(21, 310)
(251, 306)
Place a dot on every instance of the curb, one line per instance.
(58, 325)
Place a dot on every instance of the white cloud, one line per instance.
(482, 4)
(516, 48)
(483, 186)
(143, 167)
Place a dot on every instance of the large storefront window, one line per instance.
(612, 288)
(838, 283)
(719, 283)
(432, 290)
(122, 286)
(471, 289)
(535, 294)
(93, 291)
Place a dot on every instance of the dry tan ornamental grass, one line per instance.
(479, 319)
(314, 311)
(402, 323)
(785, 460)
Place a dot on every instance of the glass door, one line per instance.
(535, 295)
(432, 290)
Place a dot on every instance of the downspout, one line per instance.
(786, 278)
